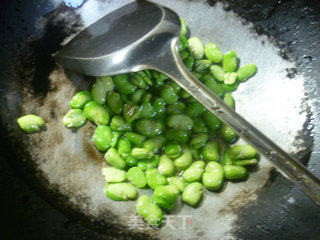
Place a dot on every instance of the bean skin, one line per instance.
(194, 172)
(113, 175)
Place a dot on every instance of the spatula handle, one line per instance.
(291, 168)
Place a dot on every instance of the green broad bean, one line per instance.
(212, 122)
(240, 152)
(168, 94)
(245, 162)
(246, 72)
(143, 166)
(124, 146)
(202, 64)
(114, 102)
(194, 172)
(196, 47)
(166, 196)
(179, 121)
(113, 158)
(148, 73)
(146, 98)
(196, 153)
(184, 55)
(215, 87)
(136, 97)
(166, 166)
(123, 85)
(80, 99)
(131, 161)
(230, 78)
(137, 177)
(183, 161)
(210, 152)
(228, 134)
(141, 153)
(99, 90)
(177, 135)
(230, 61)
(149, 127)
(159, 106)
(226, 158)
(199, 126)
(232, 172)
(145, 77)
(199, 140)
(173, 150)
(195, 109)
(149, 211)
(184, 94)
(178, 182)
(153, 162)
(176, 88)
(135, 138)
(121, 191)
(192, 194)
(106, 107)
(119, 124)
(183, 43)
(154, 178)
(213, 53)
(212, 178)
(96, 113)
(147, 110)
(177, 107)
(217, 72)
(124, 98)
(113, 175)
(137, 80)
(114, 139)
(228, 99)
(230, 87)
(74, 118)
(197, 75)
(102, 137)
(189, 62)
(30, 123)
(130, 112)
(154, 144)
(184, 28)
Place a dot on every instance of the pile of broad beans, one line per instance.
(155, 135)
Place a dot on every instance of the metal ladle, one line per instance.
(144, 35)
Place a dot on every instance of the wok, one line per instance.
(282, 100)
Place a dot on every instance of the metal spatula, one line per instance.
(144, 35)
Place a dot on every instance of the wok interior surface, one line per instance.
(66, 166)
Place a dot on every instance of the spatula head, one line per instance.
(122, 41)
